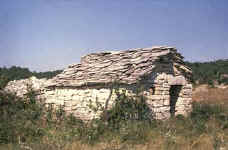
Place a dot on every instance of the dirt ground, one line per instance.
(206, 93)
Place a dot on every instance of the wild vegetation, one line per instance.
(27, 124)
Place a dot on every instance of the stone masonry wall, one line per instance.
(83, 102)
(158, 97)
(20, 87)
(80, 102)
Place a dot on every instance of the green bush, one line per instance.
(202, 112)
(19, 118)
(128, 108)
(3, 82)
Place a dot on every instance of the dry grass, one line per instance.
(207, 94)
(202, 142)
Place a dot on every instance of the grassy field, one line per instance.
(25, 124)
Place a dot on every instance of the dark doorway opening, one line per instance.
(174, 94)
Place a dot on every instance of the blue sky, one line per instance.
(51, 34)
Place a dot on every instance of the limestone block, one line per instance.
(155, 97)
(187, 86)
(180, 107)
(180, 102)
(67, 104)
(162, 116)
(68, 108)
(75, 103)
(186, 92)
(165, 93)
(166, 102)
(56, 101)
(103, 95)
(165, 109)
(178, 80)
(158, 103)
(50, 101)
(162, 88)
(184, 113)
(184, 100)
(156, 109)
(50, 92)
(166, 86)
(184, 95)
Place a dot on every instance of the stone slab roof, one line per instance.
(127, 66)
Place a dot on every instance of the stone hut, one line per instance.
(160, 73)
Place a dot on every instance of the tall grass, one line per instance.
(27, 124)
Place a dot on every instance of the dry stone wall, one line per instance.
(21, 87)
(88, 103)
(159, 97)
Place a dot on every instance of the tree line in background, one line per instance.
(203, 73)
(17, 73)
(214, 72)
